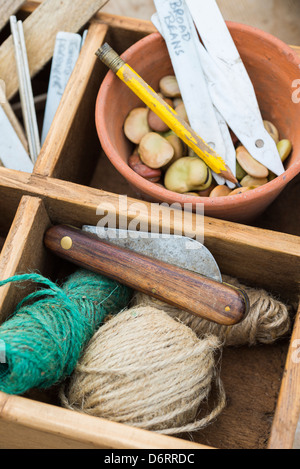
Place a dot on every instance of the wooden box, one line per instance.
(71, 179)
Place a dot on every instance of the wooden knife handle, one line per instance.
(186, 290)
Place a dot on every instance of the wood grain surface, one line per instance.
(288, 407)
(35, 425)
(11, 115)
(8, 8)
(26, 233)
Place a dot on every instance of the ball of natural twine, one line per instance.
(146, 370)
(267, 321)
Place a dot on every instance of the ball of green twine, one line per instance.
(46, 335)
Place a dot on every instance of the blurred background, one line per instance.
(278, 17)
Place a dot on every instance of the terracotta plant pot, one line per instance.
(272, 66)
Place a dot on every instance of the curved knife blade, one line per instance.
(172, 249)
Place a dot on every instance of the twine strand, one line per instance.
(269, 319)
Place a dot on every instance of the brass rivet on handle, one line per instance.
(66, 243)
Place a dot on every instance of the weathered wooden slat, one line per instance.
(288, 408)
(254, 15)
(297, 437)
(115, 21)
(28, 228)
(11, 115)
(40, 34)
(8, 8)
(35, 425)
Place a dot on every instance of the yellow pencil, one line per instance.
(141, 89)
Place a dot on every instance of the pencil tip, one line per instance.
(229, 176)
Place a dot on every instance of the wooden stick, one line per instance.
(40, 30)
(8, 8)
(54, 427)
(288, 407)
(11, 116)
(297, 438)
